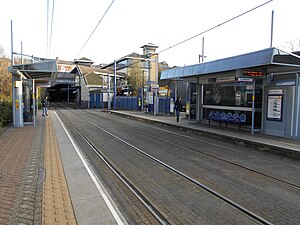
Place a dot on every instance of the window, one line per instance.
(237, 94)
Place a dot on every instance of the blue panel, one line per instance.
(188, 70)
(91, 100)
(224, 65)
(161, 105)
(199, 69)
(125, 105)
(102, 100)
(98, 101)
(151, 108)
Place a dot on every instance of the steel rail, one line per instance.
(130, 186)
(208, 189)
(208, 154)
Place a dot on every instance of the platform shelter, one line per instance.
(258, 91)
(26, 78)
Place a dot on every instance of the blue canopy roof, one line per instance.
(265, 57)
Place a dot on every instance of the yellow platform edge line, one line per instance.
(57, 205)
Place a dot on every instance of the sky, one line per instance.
(130, 24)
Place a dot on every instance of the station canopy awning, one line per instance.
(45, 70)
(273, 60)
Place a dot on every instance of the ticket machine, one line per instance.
(280, 118)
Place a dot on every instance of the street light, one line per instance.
(156, 99)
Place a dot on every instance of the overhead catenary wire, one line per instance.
(210, 29)
(95, 28)
(214, 27)
(52, 18)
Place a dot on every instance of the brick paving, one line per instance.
(33, 189)
(20, 157)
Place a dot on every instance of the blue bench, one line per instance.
(227, 118)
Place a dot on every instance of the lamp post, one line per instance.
(143, 87)
(156, 99)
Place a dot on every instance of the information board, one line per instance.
(275, 107)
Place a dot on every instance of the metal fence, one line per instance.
(165, 104)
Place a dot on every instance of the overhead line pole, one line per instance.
(51, 28)
(272, 25)
(47, 49)
(115, 85)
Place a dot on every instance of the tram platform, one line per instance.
(278, 145)
(43, 179)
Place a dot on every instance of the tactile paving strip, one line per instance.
(57, 206)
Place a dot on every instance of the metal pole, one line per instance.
(296, 103)
(201, 57)
(253, 107)
(12, 44)
(202, 49)
(115, 85)
(108, 97)
(12, 77)
(156, 99)
(33, 101)
(21, 52)
(272, 24)
(68, 92)
(143, 86)
(102, 91)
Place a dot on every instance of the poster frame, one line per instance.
(279, 118)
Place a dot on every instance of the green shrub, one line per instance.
(5, 113)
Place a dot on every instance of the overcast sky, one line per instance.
(129, 24)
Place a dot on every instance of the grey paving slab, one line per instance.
(77, 173)
(71, 161)
(83, 188)
(89, 205)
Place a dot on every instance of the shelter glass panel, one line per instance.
(235, 94)
(28, 101)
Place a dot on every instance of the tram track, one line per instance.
(188, 137)
(137, 196)
(163, 221)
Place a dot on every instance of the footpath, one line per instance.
(42, 180)
(33, 188)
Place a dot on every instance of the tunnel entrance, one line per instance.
(62, 93)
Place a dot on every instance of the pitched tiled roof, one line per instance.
(93, 76)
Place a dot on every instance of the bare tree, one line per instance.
(293, 45)
(2, 52)
(135, 78)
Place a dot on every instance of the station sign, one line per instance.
(276, 91)
(225, 79)
(65, 68)
(43, 83)
(252, 73)
(245, 79)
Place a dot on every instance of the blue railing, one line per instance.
(130, 103)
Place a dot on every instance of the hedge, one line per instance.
(5, 113)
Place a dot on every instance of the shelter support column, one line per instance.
(17, 101)
(199, 102)
(296, 106)
(253, 107)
